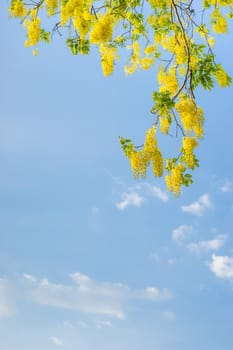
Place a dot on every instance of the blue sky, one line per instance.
(89, 257)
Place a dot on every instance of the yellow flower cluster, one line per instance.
(67, 10)
(137, 61)
(191, 116)
(157, 163)
(139, 163)
(174, 180)
(189, 143)
(219, 23)
(147, 62)
(219, 2)
(17, 9)
(51, 6)
(140, 160)
(152, 152)
(33, 31)
(176, 45)
(222, 78)
(79, 12)
(82, 22)
(159, 3)
(168, 80)
(150, 143)
(102, 30)
(108, 57)
(164, 124)
(150, 49)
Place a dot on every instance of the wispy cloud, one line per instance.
(29, 277)
(227, 186)
(90, 296)
(57, 341)
(222, 266)
(137, 195)
(131, 198)
(181, 233)
(7, 307)
(155, 191)
(208, 246)
(199, 207)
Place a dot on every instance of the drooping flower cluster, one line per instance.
(150, 153)
(17, 9)
(189, 143)
(108, 57)
(102, 30)
(191, 115)
(174, 180)
(33, 31)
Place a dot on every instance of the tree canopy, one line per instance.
(177, 38)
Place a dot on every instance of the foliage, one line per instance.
(175, 35)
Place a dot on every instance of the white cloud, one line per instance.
(199, 207)
(136, 195)
(227, 186)
(207, 246)
(155, 294)
(130, 198)
(29, 277)
(157, 192)
(181, 233)
(56, 341)
(7, 307)
(90, 296)
(222, 266)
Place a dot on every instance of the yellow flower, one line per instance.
(211, 41)
(139, 163)
(147, 62)
(130, 69)
(191, 116)
(82, 22)
(135, 58)
(157, 163)
(108, 57)
(219, 23)
(189, 143)
(51, 6)
(136, 48)
(164, 124)
(168, 80)
(150, 49)
(222, 78)
(33, 33)
(102, 30)
(174, 180)
(150, 144)
(17, 9)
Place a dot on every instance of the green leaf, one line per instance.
(45, 36)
